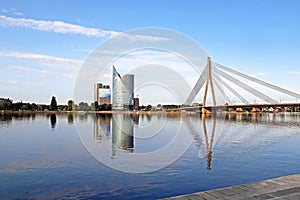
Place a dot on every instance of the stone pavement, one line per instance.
(286, 187)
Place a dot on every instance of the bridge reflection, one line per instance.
(209, 140)
(230, 129)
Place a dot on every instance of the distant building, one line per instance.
(102, 93)
(136, 103)
(41, 107)
(97, 86)
(6, 101)
(123, 91)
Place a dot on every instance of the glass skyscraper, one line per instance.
(123, 91)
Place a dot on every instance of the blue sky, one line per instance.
(40, 58)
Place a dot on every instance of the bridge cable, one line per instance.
(235, 93)
(221, 90)
(274, 87)
(197, 87)
(248, 88)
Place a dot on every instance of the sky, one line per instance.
(45, 43)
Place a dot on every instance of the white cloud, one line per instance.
(62, 27)
(44, 73)
(139, 58)
(62, 67)
(18, 13)
(40, 57)
(12, 11)
(51, 26)
(138, 37)
(294, 72)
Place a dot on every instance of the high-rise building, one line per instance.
(96, 91)
(123, 91)
(136, 103)
(101, 93)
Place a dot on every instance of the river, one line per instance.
(126, 156)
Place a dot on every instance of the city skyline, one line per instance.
(43, 45)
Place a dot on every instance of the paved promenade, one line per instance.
(286, 187)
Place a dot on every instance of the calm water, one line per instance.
(42, 156)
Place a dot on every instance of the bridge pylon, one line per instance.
(209, 83)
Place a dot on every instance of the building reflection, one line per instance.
(102, 127)
(122, 133)
(136, 119)
(118, 128)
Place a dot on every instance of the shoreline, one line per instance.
(172, 112)
(93, 112)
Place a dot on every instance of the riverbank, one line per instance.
(168, 112)
(92, 112)
(286, 187)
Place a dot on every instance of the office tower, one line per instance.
(123, 91)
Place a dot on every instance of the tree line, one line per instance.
(70, 106)
(53, 106)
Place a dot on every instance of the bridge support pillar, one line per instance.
(205, 111)
(209, 82)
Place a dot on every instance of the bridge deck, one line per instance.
(286, 187)
(245, 106)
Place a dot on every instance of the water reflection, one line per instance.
(136, 119)
(118, 128)
(102, 127)
(251, 147)
(70, 118)
(207, 131)
(5, 120)
(53, 121)
(122, 133)
(242, 133)
(209, 141)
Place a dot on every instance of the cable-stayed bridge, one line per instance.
(220, 81)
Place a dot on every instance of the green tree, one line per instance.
(70, 105)
(24, 107)
(17, 106)
(148, 108)
(83, 106)
(53, 104)
(34, 106)
(2, 106)
(94, 106)
(107, 107)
